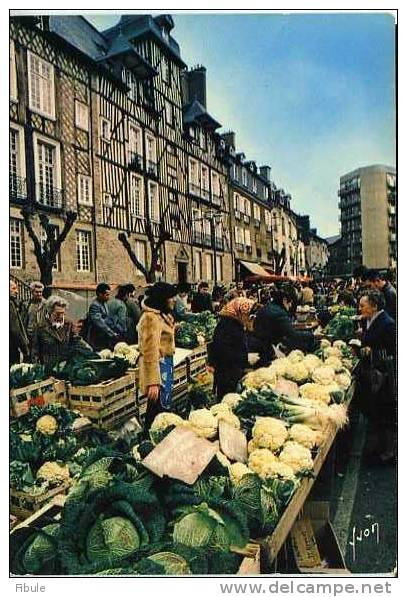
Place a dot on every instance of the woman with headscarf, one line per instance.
(156, 335)
(228, 352)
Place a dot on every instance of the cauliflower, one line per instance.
(325, 343)
(297, 372)
(164, 420)
(324, 375)
(231, 400)
(339, 344)
(106, 354)
(265, 376)
(53, 472)
(296, 456)
(296, 356)
(261, 461)
(279, 366)
(121, 348)
(311, 362)
(229, 418)
(320, 436)
(343, 379)
(269, 433)
(237, 471)
(132, 356)
(204, 423)
(334, 362)
(302, 434)
(216, 409)
(252, 446)
(332, 351)
(47, 425)
(279, 469)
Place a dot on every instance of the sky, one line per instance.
(310, 94)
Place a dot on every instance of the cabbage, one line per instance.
(41, 550)
(196, 529)
(114, 537)
(172, 563)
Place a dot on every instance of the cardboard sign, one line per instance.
(287, 387)
(304, 544)
(181, 455)
(233, 442)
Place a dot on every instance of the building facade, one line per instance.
(316, 248)
(368, 201)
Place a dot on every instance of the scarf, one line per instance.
(238, 308)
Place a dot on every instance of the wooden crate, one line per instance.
(51, 509)
(197, 367)
(198, 353)
(106, 402)
(251, 562)
(23, 504)
(48, 391)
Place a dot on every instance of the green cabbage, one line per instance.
(111, 538)
(172, 563)
(42, 549)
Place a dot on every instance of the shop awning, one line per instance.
(254, 268)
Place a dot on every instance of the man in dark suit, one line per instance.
(202, 300)
(106, 319)
(18, 336)
(376, 281)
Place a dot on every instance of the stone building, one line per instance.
(316, 247)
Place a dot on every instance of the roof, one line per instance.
(333, 239)
(373, 167)
(121, 48)
(195, 112)
(79, 33)
(255, 268)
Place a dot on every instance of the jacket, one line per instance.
(156, 339)
(52, 345)
(181, 312)
(273, 325)
(390, 297)
(228, 350)
(106, 323)
(381, 335)
(132, 318)
(201, 301)
(17, 335)
(32, 315)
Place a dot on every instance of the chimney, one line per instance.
(265, 172)
(194, 85)
(230, 138)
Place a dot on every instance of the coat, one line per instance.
(18, 340)
(228, 351)
(156, 339)
(32, 315)
(106, 323)
(272, 326)
(390, 297)
(133, 315)
(52, 345)
(201, 301)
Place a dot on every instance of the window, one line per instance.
(13, 72)
(215, 185)
(256, 212)
(135, 142)
(235, 172)
(205, 182)
(244, 177)
(209, 266)
(236, 201)
(198, 266)
(265, 192)
(81, 115)
(172, 176)
(153, 202)
(166, 73)
(239, 236)
(140, 250)
(83, 260)
(207, 229)
(247, 239)
(17, 163)
(105, 130)
(247, 207)
(283, 226)
(48, 172)
(254, 185)
(151, 155)
(16, 243)
(41, 86)
(193, 176)
(202, 139)
(219, 272)
(43, 240)
(196, 221)
(131, 82)
(107, 200)
(136, 196)
(84, 190)
(169, 113)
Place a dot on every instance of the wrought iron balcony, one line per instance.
(18, 187)
(49, 196)
(152, 168)
(197, 237)
(135, 161)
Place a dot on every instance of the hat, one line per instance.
(161, 290)
(183, 287)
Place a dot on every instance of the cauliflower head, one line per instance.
(311, 362)
(265, 376)
(164, 420)
(339, 344)
(229, 418)
(238, 470)
(298, 457)
(295, 356)
(261, 461)
(302, 434)
(53, 472)
(279, 366)
(297, 372)
(334, 362)
(252, 446)
(269, 433)
(121, 348)
(231, 400)
(47, 425)
(332, 351)
(343, 379)
(204, 423)
(324, 375)
(216, 409)
(105, 354)
(280, 470)
(315, 391)
(325, 343)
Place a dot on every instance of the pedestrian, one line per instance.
(307, 294)
(18, 340)
(377, 281)
(33, 308)
(202, 300)
(375, 392)
(273, 325)
(126, 294)
(181, 308)
(156, 333)
(241, 291)
(106, 320)
(55, 338)
(228, 351)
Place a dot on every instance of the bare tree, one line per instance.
(155, 241)
(279, 260)
(46, 252)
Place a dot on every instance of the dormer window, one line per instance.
(165, 34)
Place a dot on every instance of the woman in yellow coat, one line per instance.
(156, 334)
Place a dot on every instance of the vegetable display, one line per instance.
(24, 374)
(191, 334)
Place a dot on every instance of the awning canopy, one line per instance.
(254, 268)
